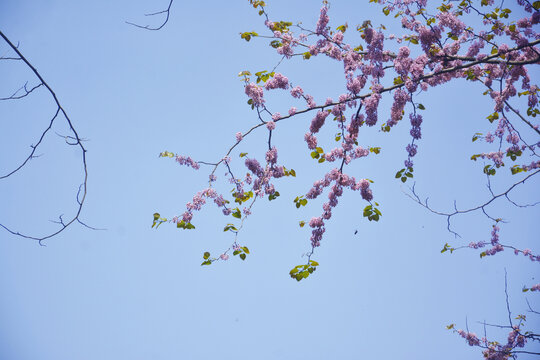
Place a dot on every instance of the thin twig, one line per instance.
(167, 13)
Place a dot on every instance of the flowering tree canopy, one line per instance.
(484, 42)
(390, 77)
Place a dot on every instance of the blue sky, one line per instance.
(132, 292)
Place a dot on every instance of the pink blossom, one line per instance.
(270, 125)
(311, 141)
(323, 21)
(318, 121)
(277, 82)
(297, 92)
(255, 92)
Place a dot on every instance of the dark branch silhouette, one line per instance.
(414, 196)
(75, 141)
(148, 27)
(27, 92)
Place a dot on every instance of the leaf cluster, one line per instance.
(405, 174)
(372, 213)
(300, 201)
(300, 272)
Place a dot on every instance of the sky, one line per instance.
(383, 290)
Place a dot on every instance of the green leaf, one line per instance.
(156, 216)
(243, 154)
(319, 150)
(273, 196)
(493, 117)
(421, 107)
(516, 169)
(398, 80)
(302, 223)
(476, 136)
(342, 28)
(229, 227)
(206, 255)
(275, 44)
(313, 263)
(207, 262)
(243, 256)
(246, 250)
(292, 172)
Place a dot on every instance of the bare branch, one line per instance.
(506, 294)
(416, 198)
(148, 27)
(77, 141)
(27, 92)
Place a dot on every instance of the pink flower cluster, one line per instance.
(323, 22)
(494, 242)
(494, 350)
(471, 338)
(255, 92)
(448, 50)
(199, 200)
(278, 81)
(318, 121)
(186, 160)
(340, 181)
(297, 92)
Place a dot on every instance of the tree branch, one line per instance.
(77, 142)
(148, 27)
